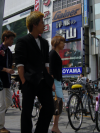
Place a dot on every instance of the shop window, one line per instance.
(71, 54)
(19, 27)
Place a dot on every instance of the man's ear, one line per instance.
(34, 26)
(5, 38)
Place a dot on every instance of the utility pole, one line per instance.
(2, 2)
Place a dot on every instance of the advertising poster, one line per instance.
(71, 54)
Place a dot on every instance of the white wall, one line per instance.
(13, 6)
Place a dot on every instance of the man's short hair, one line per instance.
(8, 33)
(33, 18)
(56, 41)
(82, 74)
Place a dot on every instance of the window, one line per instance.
(97, 24)
(61, 4)
(19, 27)
(91, 9)
(64, 4)
(91, 24)
(97, 6)
(97, 42)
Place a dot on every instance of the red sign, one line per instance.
(46, 28)
(46, 14)
(36, 5)
(46, 2)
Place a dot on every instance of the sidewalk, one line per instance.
(12, 123)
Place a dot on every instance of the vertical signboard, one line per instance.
(83, 45)
(86, 12)
(36, 5)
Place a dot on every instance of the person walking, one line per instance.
(32, 61)
(56, 72)
(5, 76)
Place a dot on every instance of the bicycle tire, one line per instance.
(98, 119)
(77, 109)
(19, 107)
(91, 108)
(14, 102)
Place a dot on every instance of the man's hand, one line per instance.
(10, 71)
(23, 81)
(2, 53)
(53, 87)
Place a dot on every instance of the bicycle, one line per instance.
(36, 107)
(75, 106)
(15, 99)
(97, 109)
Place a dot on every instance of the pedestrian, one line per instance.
(32, 61)
(56, 72)
(5, 75)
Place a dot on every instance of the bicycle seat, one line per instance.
(77, 86)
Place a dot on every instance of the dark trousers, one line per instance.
(45, 97)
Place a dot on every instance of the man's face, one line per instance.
(81, 75)
(9, 41)
(40, 26)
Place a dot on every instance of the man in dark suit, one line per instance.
(32, 60)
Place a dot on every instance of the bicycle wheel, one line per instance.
(91, 106)
(98, 119)
(75, 114)
(19, 107)
(14, 102)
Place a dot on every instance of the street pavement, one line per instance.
(12, 121)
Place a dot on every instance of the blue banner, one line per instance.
(69, 28)
(86, 12)
(74, 70)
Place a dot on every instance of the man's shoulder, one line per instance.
(44, 40)
(24, 38)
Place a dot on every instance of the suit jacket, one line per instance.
(28, 53)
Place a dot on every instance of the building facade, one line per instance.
(94, 42)
(67, 22)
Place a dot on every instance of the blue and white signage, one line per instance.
(74, 70)
(69, 28)
(86, 12)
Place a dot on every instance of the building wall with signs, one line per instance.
(47, 10)
(67, 23)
